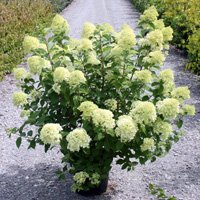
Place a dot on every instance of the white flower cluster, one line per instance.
(88, 30)
(145, 76)
(111, 104)
(103, 118)
(148, 144)
(20, 98)
(167, 77)
(155, 58)
(74, 78)
(181, 94)
(92, 58)
(80, 177)
(19, 73)
(100, 117)
(50, 134)
(61, 74)
(85, 44)
(30, 43)
(126, 128)
(168, 108)
(126, 37)
(37, 63)
(143, 112)
(87, 108)
(59, 24)
(188, 110)
(162, 127)
(77, 139)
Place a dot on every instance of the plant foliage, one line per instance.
(184, 17)
(101, 97)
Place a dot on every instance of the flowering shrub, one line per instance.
(101, 97)
(184, 17)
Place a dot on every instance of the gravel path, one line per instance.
(29, 175)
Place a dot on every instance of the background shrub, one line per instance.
(18, 18)
(60, 4)
(184, 17)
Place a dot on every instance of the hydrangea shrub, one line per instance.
(101, 97)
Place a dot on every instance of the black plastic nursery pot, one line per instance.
(96, 190)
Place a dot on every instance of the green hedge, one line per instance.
(184, 17)
(19, 18)
(60, 4)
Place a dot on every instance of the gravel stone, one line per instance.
(30, 174)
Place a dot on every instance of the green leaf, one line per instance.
(32, 144)
(18, 142)
(30, 133)
(60, 174)
(120, 161)
(179, 123)
(100, 136)
(22, 134)
(172, 198)
(46, 147)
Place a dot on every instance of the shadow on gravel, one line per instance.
(38, 183)
(183, 178)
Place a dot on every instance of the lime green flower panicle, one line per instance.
(50, 134)
(143, 112)
(111, 104)
(106, 28)
(80, 177)
(169, 108)
(103, 118)
(73, 43)
(181, 94)
(95, 179)
(25, 113)
(76, 78)
(167, 34)
(19, 73)
(37, 63)
(42, 46)
(30, 43)
(126, 38)
(167, 77)
(155, 39)
(92, 58)
(145, 76)
(77, 139)
(159, 24)
(87, 107)
(59, 25)
(20, 98)
(188, 110)
(116, 51)
(88, 30)
(148, 144)
(61, 74)
(155, 58)
(150, 14)
(162, 127)
(85, 44)
(126, 128)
